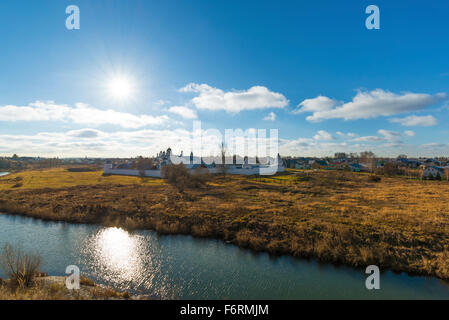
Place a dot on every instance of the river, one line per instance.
(183, 267)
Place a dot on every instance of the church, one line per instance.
(238, 165)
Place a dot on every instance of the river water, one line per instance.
(183, 267)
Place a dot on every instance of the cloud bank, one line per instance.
(184, 112)
(80, 114)
(367, 104)
(257, 97)
(411, 121)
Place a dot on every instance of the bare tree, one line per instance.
(143, 164)
(340, 155)
(368, 158)
(390, 169)
(223, 168)
(20, 266)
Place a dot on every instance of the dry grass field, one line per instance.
(338, 217)
(61, 178)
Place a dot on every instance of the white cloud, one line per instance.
(36, 111)
(293, 146)
(270, 117)
(368, 139)
(80, 114)
(95, 143)
(184, 112)
(85, 133)
(409, 133)
(389, 135)
(256, 97)
(346, 135)
(393, 145)
(410, 121)
(366, 105)
(434, 145)
(385, 144)
(323, 135)
(385, 135)
(84, 114)
(319, 103)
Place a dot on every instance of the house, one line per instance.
(297, 163)
(432, 163)
(434, 172)
(380, 163)
(413, 163)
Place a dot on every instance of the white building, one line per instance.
(434, 171)
(163, 159)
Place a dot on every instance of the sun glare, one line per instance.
(120, 88)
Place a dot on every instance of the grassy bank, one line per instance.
(54, 288)
(26, 282)
(338, 217)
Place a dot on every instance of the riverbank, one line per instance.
(54, 288)
(337, 217)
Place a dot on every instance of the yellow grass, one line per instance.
(54, 288)
(341, 217)
(61, 178)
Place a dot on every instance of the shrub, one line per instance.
(199, 177)
(21, 267)
(84, 281)
(390, 169)
(178, 176)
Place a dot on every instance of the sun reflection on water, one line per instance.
(134, 262)
(120, 258)
(119, 252)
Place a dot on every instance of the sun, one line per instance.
(120, 88)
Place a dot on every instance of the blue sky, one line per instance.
(310, 69)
